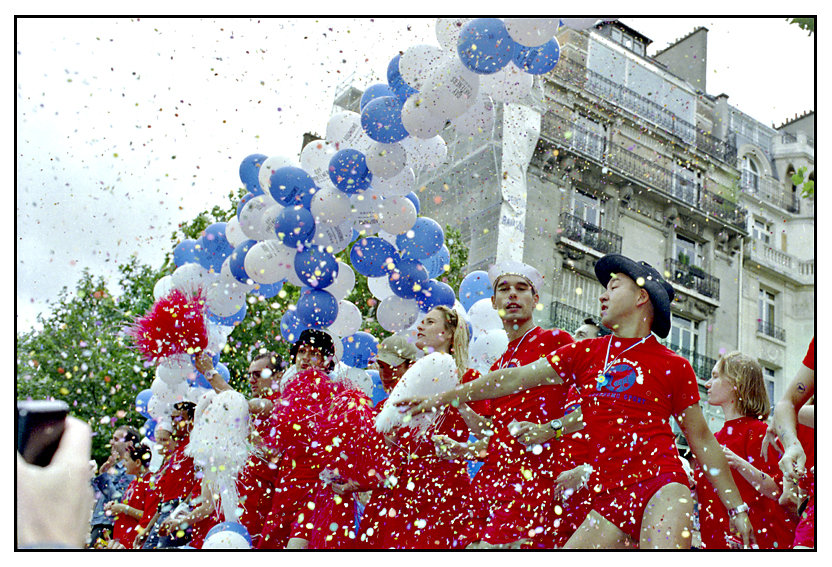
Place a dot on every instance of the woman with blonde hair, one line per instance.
(737, 386)
(425, 505)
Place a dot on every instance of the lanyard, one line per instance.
(604, 377)
(513, 352)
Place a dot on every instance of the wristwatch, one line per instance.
(738, 510)
(557, 425)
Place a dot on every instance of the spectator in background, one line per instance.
(589, 330)
(111, 482)
(737, 386)
(127, 514)
(395, 356)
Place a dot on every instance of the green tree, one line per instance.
(807, 24)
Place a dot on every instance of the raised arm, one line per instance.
(801, 388)
(205, 365)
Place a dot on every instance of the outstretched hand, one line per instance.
(415, 406)
(203, 362)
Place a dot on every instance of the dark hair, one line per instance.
(189, 407)
(131, 434)
(140, 453)
(602, 330)
(276, 362)
(318, 339)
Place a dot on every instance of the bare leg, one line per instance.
(666, 523)
(297, 543)
(596, 532)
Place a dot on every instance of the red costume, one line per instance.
(773, 529)
(513, 490)
(629, 387)
(805, 532)
(124, 527)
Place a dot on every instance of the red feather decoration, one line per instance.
(174, 325)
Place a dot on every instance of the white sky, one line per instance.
(127, 127)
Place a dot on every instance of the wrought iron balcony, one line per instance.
(767, 189)
(568, 318)
(692, 277)
(702, 365)
(771, 330)
(576, 229)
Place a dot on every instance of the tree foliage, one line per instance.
(807, 24)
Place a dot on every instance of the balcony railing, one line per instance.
(771, 330)
(567, 317)
(780, 261)
(577, 229)
(702, 365)
(693, 277)
(767, 189)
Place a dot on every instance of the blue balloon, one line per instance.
(214, 248)
(229, 321)
(304, 199)
(433, 294)
(426, 240)
(250, 172)
(185, 253)
(408, 278)
(373, 92)
(245, 199)
(537, 60)
(381, 119)
(395, 80)
(141, 402)
(474, 287)
(435, 264)
(289, 185)
(378, 393)
(201, 381)
(371, 256)
(229, 527)
(291, 327)
(294, 225)
(223, 370)
(485, 45)
(415, 200)
(349, 172)
(237, 259)
(316, 267)
(268, 290)
(149, 429)
(359, 349)
(316, 308)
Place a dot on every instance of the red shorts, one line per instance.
(528, 516)
(804, 535)
(290, 515)
(625, 506)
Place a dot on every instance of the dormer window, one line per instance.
(630, 42)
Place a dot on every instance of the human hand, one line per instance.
(769, 440)
(203, 362)
(169, 526)
(450, 449)
(54, 503)
(530, 434)
(569, 482)
(412, 407)
(793, 462)
(115, 544)
(345, 487)
(789, 496)
(741, 526)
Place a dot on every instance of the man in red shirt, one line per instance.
(630, 386)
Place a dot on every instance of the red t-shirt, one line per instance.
(772, 526)
(124, 528)
(809, 359)
(627, 415)
(175, 479)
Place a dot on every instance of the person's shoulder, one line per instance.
(553, 336)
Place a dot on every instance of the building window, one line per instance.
(770, 378)
(616, 35)
(750, 175)
(761, 230)
(688, 252)
(767, 315)
(588, 136)
(684, 335)
(587, 208)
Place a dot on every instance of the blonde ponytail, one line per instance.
(459, 343)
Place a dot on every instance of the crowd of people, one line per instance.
(571, 432)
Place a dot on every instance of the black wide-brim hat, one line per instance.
(321, 340)
(661, 293)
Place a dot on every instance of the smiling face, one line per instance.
(433, 333)
(721, 390)
(514, 299)
(309, 357)
(620, 301)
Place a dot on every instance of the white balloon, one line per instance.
(167, 393)
(269, 261)
(579, 23)
(532, 32)
(401, 184)
(315, 158)
(509, 84)
(344, 131)
(251, 215)
(397, 215)
(226, 540)
(226, 297)
(330, 207)
(380, 287)
(333, 238)
(426, 155)
(163, 287)
(421, 117)
(486, 349)
(418, 63)
(190, 278)
(391, 238)
(344, 282)
(265, 227)
(227, 276)
(483, 317)
(269, 166)
(452, 88)
(233, 232)
(447, 31)
(396, 314)
(158, 409)
(173, 374)
(218, 336)
(348, 321)
(366, 208)
(386, 160)
(478, 121)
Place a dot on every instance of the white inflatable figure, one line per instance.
(430, 375)
(485, 348)
(219, 446)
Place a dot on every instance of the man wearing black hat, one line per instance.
(630, 386)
